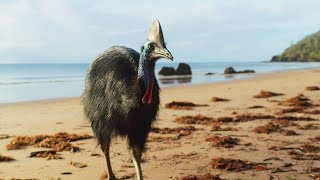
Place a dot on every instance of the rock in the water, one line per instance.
(167, 71)
(247, 71)
(229, 70)
(183, 69)
(209, 73)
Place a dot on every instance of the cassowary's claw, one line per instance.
(112, 177)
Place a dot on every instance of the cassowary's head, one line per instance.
(155, 47)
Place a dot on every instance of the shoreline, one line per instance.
(250, 77)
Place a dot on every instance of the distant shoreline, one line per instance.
(23, 83)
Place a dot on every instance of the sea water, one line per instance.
(26, 82)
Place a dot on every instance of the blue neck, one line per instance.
(146, 68)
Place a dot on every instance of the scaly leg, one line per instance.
(105, 149)
(137, 152)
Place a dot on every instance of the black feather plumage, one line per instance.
(112, 97)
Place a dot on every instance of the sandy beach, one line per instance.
(288, 150)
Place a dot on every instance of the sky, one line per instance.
(75, 31)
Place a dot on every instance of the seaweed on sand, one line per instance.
(182, 105)
(59, 141)
(266, 94)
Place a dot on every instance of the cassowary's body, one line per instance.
(121, 95)
(112, 97)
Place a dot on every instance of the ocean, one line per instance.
(27, 82)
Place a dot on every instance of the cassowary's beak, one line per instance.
(162, 53)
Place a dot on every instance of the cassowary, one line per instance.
(121, 94)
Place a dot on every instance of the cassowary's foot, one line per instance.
(137, 152)
(106, 176)
(112, 177)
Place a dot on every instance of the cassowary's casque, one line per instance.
(121, 95)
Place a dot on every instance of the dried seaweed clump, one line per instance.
(223, 141)
(59, 141)
(50, 154)
(22, 141)
(298, 101)
(302, 156)
(201, 177)
(6, 158)
(291, 110)
(269, 128)
(217, 127)
(314, 172)
(296, 118)
(182, 131)
(233, 164)
(217, 99)
(197, 119)
(289, 133)
(225, 119)
(312, 88)
(315, 139)
(182, 105)
(316, 111)
(256, 107)
(266, 94)
(56, 144)
(251, 117)
(299, 104)
(310, 148)
(283, 122)
(310, 127)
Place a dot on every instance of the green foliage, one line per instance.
(305, 50)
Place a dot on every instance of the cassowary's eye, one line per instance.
(150, 47)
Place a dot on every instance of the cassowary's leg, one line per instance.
(105, 149)
(137, 152)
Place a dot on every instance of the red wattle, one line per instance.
(147, 98)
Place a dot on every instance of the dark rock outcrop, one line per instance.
(230, 70)
(183, 69)
(247, 71)
(167, 71)
(209, 74)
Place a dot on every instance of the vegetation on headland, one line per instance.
(305, 50)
